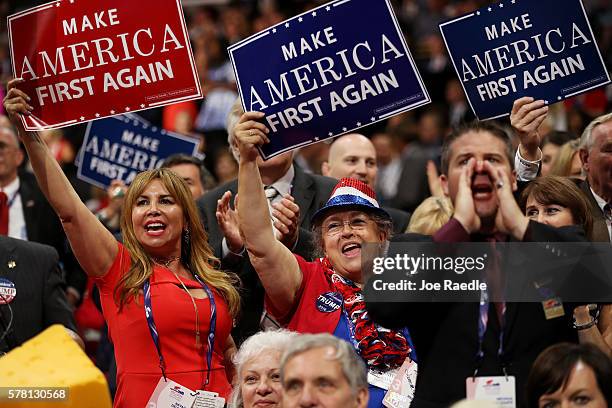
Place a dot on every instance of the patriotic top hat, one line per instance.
(351, 194)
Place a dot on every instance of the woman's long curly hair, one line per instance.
(196, 254)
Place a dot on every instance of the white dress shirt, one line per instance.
(17, 225)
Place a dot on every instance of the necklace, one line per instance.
(165, 262)
(195, 307)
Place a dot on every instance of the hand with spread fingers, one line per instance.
(465, 211)
(227, 218)
(286, 217)
(249, 134)
(526, 117)
(510, 219)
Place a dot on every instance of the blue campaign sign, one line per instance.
(515, 48)
(326, 72)
(121, 147)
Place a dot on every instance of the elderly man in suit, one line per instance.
(595, 154)
(31, 294)
(293, 195)
(26, 214)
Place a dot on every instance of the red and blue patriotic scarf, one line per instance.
(381, 348)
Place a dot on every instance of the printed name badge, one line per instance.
(401, 391)
(208, 399)
(499, 390)
(169, 394)
(553, 308)
(329, 302)
(7, 291)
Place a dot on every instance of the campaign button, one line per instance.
(7, 291)
(329, 302)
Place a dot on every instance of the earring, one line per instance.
(187, 236)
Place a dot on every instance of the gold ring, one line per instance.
(251, 132)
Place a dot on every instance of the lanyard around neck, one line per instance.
(155, 334)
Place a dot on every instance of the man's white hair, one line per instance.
(586, 140)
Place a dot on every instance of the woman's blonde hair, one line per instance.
(562, 166)
(430, 215)
(196, 254)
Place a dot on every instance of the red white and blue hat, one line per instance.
(351, 194)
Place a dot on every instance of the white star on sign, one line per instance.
(316, 138)
(82, 118)
(97, 115)
(274, 30)
(478, 13)
(127, 108)
(314, 13)
(358, 123)
(142, 105)
(57, 4)
(513, 1)
(112, 112)
(300, 19)
(372, 118)
(327, 8)
(489, 8)
(344, 129)
(287, 25)
(501, 5)
(330, 134)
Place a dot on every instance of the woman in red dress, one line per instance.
(169, 311)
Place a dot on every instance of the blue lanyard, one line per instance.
(483, 321)
(155, 335)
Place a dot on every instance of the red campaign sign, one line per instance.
(83, 60)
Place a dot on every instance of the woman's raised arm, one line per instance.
(275, 264)
(93, 245)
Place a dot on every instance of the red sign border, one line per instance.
(82, 120)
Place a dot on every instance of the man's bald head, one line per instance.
(353, 156)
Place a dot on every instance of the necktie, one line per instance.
(4, 213)
(271, 193)
(607, 210)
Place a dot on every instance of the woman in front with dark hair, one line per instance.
(567, 375)
(558, 202)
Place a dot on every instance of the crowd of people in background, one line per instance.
(251, 269)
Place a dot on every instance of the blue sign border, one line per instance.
(136, 121)
(425, 98)
(490, 8)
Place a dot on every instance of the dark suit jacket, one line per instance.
(445, 335)
(400, 218)
(413, 187)
(600, 228)
(311, 193)
(40, 300)
(44, 226)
